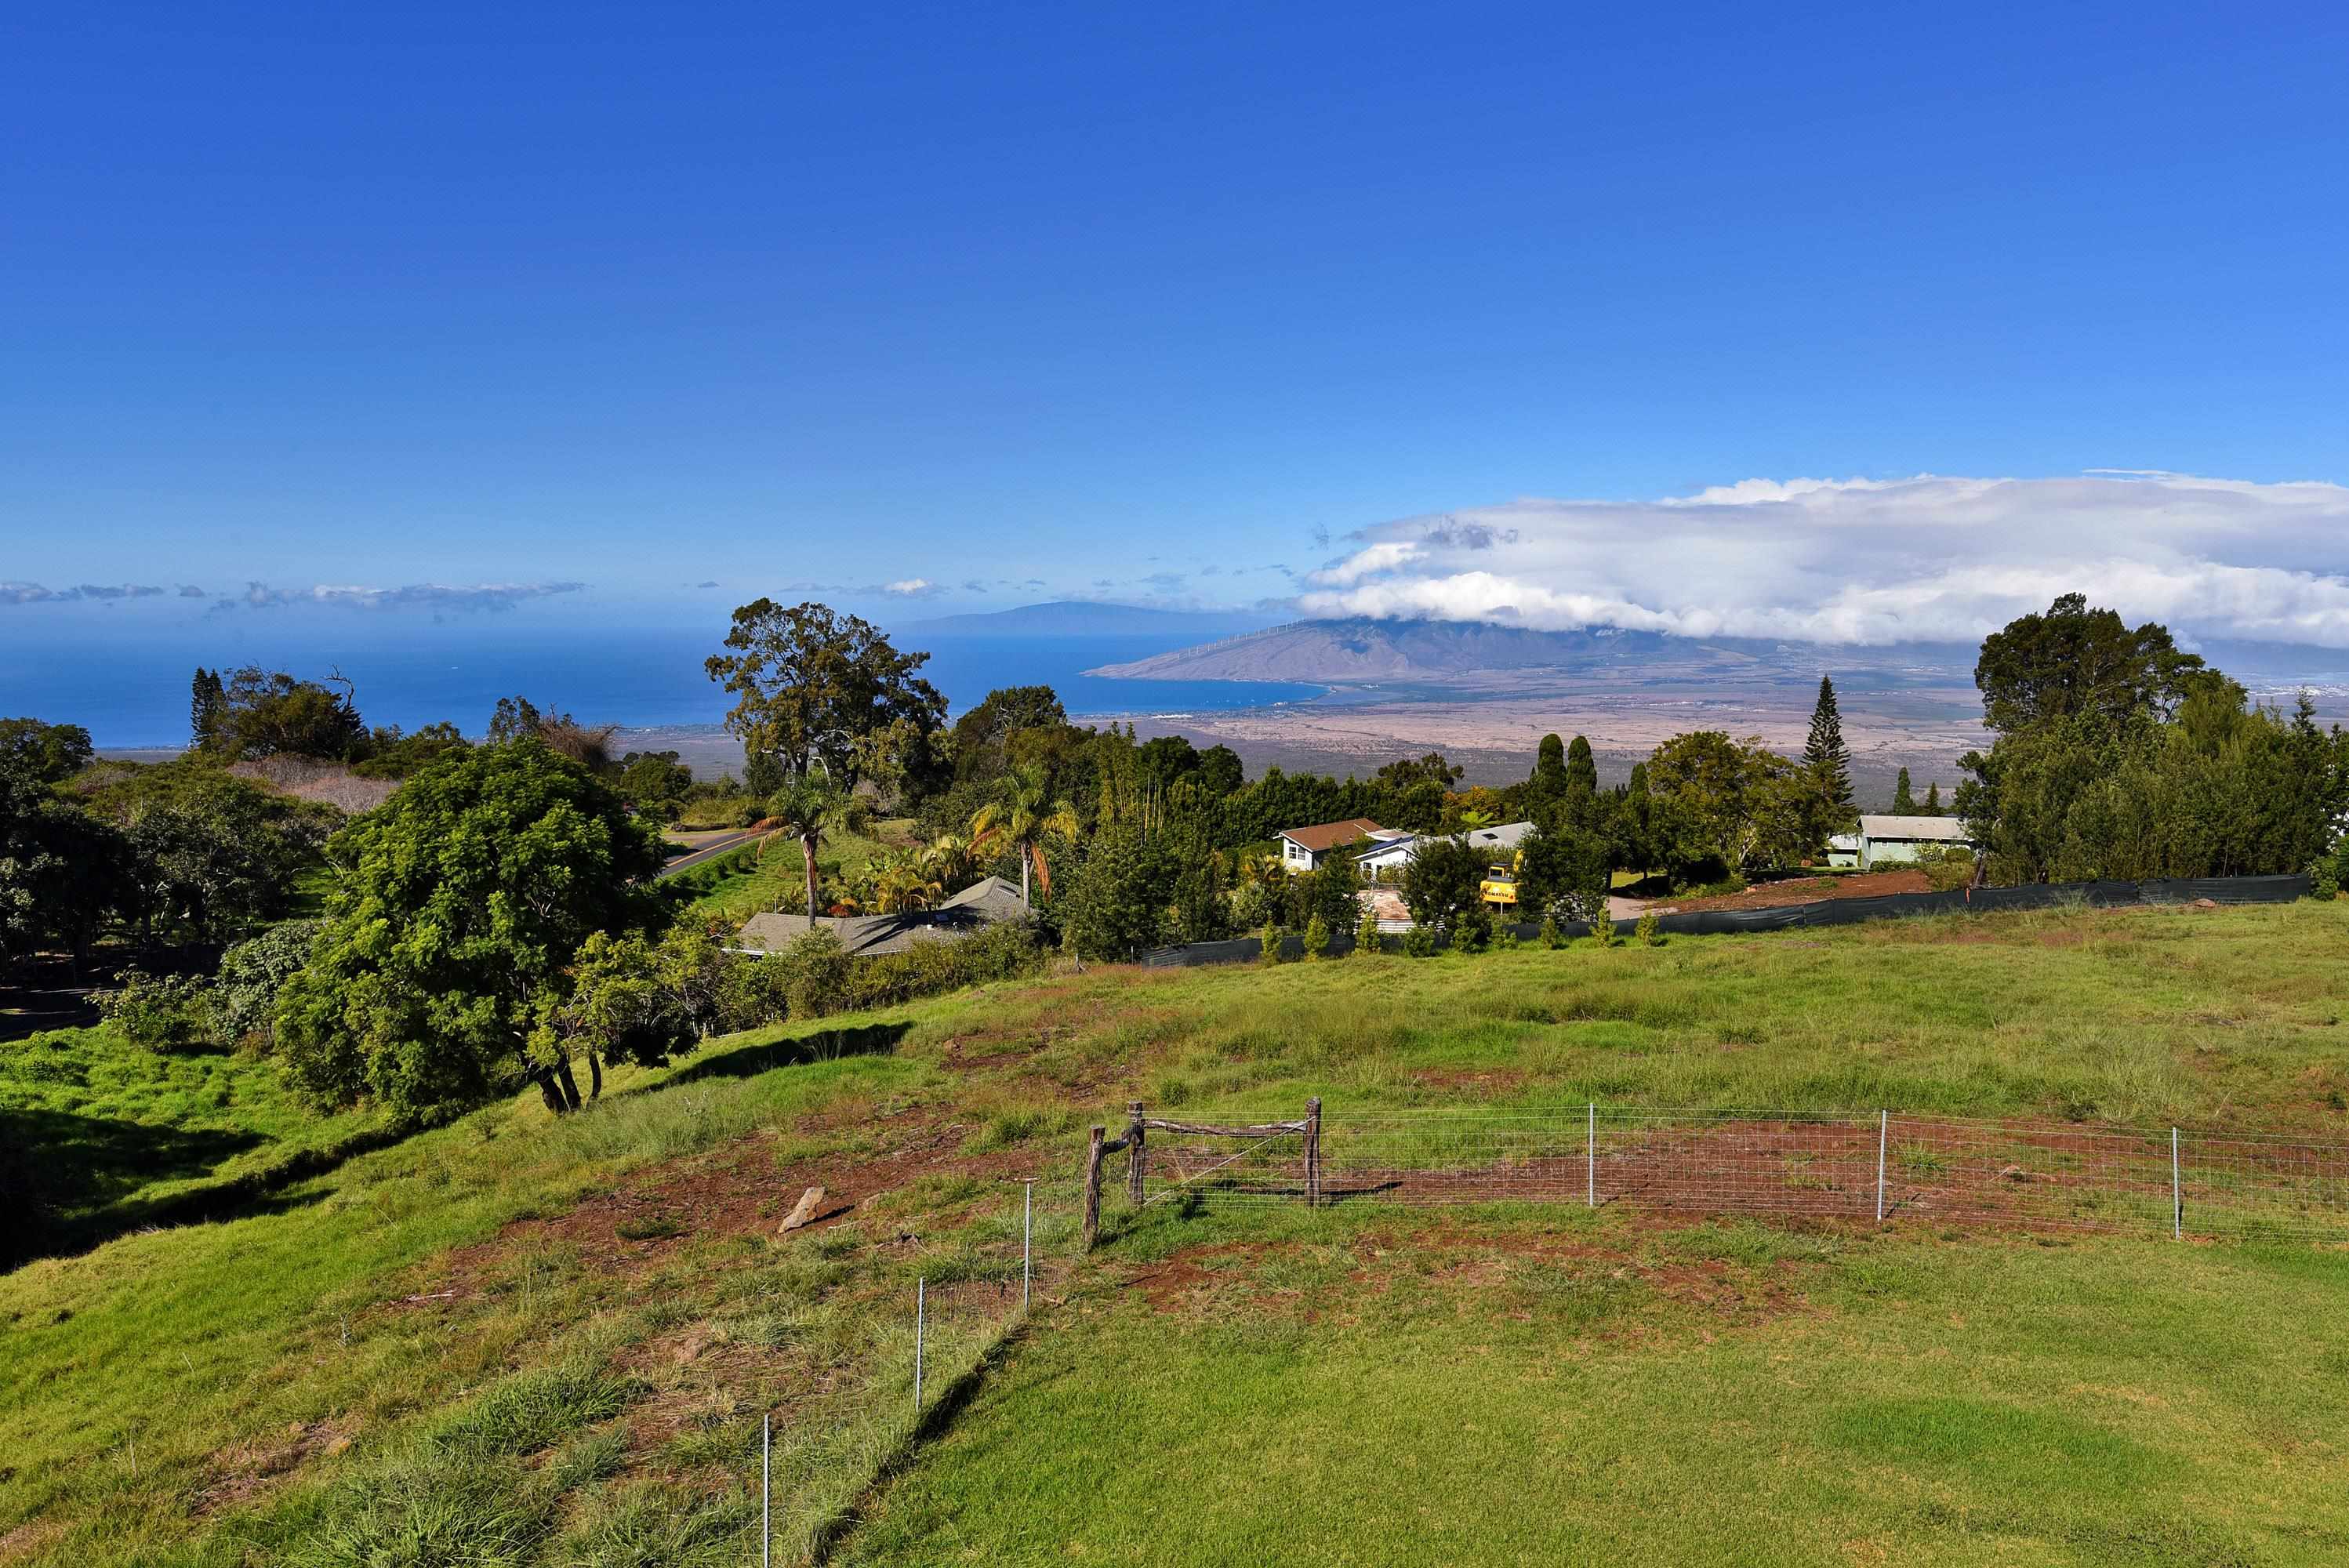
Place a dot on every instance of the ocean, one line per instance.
(132, 692)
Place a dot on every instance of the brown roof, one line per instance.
(1329, 835)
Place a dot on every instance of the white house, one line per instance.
(1385, 863)
(1896, 841)
(1303, 849)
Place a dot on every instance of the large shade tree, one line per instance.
(458, 908)
(812, 688)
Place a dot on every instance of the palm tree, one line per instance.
(808, 809)
(904, 883)
(1475, 821)
(1022, 815)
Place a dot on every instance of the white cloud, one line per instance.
(1929, 558)
(909, 587)
(488, 596)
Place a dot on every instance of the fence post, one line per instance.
(921, 1305)
(1313, 1152)
(1883, 1129)
(766, 1489)
(1590, 1156)
(1027, 1237)
(1133, 1151)
(1092, 1188)
(2176, 1193)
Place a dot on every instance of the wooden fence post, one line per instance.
(1092, 1188)
(1313, 1152)
(1134, 1165)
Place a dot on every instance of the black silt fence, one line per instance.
(1823, 912)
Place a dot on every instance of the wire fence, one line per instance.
(1887, 1166)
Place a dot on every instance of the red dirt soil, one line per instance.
(1800, 890)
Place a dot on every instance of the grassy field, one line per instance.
(102, 1136)
(456, 1338)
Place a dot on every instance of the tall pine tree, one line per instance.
(1826, 754)
(1904, 804)
(1933, 798)
(1581, 783)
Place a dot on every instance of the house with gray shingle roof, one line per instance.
(988, 901)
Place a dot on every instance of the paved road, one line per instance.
(706, 850)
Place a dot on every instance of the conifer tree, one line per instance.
(1904, 804)
(1933, 798)
(1581, 782)
(1826, 754)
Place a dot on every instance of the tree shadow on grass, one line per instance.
(69, 1183)
(823, 1046)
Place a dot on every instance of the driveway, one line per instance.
(701, 848)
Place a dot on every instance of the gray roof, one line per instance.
(985, 903)
(1507, 835)
(1947, 830)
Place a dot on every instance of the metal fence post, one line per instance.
(766, 1489)
(1027, 1235)
(1883, 1131)
(921, 1294)
(1590, 1159)
(2176, 1193)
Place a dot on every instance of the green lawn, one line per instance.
(1473, 1386)
(103, 1136)
(1545, 1389)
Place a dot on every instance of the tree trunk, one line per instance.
(807, 850)
(570, 1084)
(1024, 904)
(545, 1078)
(595, 1075)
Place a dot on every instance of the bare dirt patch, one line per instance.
(1801, 890)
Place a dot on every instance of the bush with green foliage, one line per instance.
(1114, 907)
(1946, 870)
(160, 1012)
(1269, 942)
(1603, 926)
(1420, 942)
(1472, 929)
(2325, 878)
(251, 974)
(1443, 881)
(1317, 937)
(1649, 929)
(1366, 935)
(1551, 937)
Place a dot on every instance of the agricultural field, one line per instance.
(515, 1340)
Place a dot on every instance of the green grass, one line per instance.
(1470, 1385)
(108, 1135)
(1508, 1389)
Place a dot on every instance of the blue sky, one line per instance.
(1181, 304)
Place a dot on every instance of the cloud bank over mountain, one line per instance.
(1929, 558)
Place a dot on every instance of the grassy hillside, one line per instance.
(759, 883)
(456, 1337)
(101, 1135)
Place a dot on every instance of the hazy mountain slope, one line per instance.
(1084, 618)
(1365, 650)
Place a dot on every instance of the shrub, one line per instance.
(1271, 943)
(1419, 942)
(1366, 937)
(751, 992)
(1603, 926)
(815, 974)
(1317, 937)
(1947, 870)
(1551, 937)
(1472, 930)
(160, 1012)
(2324, 877)
(1651, 929)
(1506, 939)
(250, 973)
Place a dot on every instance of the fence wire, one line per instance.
(1894, 1166)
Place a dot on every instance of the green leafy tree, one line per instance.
(1904, 804)
(1563, 871)
(1366, 935)
(43, 753)
(251, 972)
(268, 713)
(655, 783)
(1443, 881)
(207, 704)
(1932, 799)
(458, 909)
(1721, 802)
(64, 873)
(214, 855)
(1546, 790)
(2075, 662)
(810, 682)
